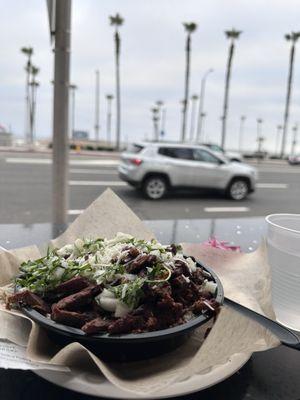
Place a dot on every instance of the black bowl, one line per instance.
(127, 347)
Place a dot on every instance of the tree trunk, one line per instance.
(118, 100)
(27, 102)
(34, 115)
(193, 114)
(31, 111)
(108, 121)
(288, 100)
(200, 111)
(226, 94)
(97, 106)
(186, 88)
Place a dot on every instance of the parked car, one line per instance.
(257, 155)
(231, 155)
(294, 160)
(155, 168)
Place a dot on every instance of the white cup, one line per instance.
(283, 242)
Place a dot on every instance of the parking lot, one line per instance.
(25, 194)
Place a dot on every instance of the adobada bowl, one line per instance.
(128, 347)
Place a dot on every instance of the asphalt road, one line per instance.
(25, 191)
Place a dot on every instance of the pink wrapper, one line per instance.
(221, 244)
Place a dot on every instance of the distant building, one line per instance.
(80, 135)
(6, 138)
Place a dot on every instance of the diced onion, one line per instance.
(191, 264)
(124, 291)
(121, 309)
(79, 244)
(107, 293)
(67, 249)
(58, 272)
(210, 286)
(108, 304)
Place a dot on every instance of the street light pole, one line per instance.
(73, 89)
(293, 38)
(294, 142)
(279, 129)
(241, 132)
(155, 119)
(194, 100)
(60, 192)
(159, 104)
(203, 115)
(258, 130)
(201, 103)
(163, 122)
(109, 98)
(97, 106)
(259, 138)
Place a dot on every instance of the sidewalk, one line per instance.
(24, 150)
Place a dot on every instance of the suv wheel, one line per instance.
(155, 187)
(238, 189)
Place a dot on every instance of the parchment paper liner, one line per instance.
(245, 277)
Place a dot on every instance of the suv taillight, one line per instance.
(136, 161)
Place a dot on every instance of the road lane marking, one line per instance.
(48, 161)
(226, 209)
(97, 183)
(278, 171)
(93, 171)
(94, 162)
(271, 185)
(75, 212)
(39, 161)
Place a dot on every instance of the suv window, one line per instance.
(214, 147)
(183, 153)
(134, 148)
(205, 156)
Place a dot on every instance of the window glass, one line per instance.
(183, 153)
(215, 147)
(134, 148)
(205, 156)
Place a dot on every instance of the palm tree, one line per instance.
(117, 21)
(109, 98)
(189, 27)
(32, 100)
(290, 37)
(194, 100)
(28, 51)
(232, 35)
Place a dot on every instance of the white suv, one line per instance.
(157, 167)
(231, 155)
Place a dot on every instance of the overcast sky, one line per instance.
(152, 63)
